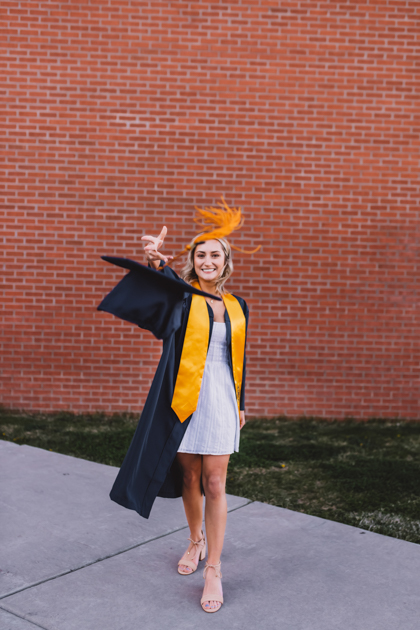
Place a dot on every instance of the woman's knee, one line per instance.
(190, 466)
(214, 485)
(191, 477)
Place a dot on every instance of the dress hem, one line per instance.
(195, 453)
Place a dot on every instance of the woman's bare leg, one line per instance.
(192, 498)
(214, 482)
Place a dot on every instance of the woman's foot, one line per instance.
(212, 599)
(196, 551)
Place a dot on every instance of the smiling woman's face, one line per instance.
(209, 260)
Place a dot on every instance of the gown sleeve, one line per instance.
(149, 298)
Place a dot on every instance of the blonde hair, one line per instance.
(188, 272)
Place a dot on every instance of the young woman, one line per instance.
(195, 408)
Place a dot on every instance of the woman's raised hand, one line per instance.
(151, 249)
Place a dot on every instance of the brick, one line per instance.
(303, 114)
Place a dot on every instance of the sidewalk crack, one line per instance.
(111, 555)
(15, 614)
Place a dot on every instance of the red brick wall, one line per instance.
(119, 116)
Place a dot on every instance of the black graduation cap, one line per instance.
(149, 298)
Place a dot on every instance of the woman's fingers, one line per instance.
(153, 254)
(153, 244)
(151, 247)
(156, 239)
(160, 256)
(163, 233)
(151, 239)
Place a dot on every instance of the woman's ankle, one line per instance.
(196, 535)
(214, 562)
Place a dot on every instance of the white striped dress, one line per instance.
(214, 426)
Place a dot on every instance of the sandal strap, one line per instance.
(216, 568)
(197, 542)
(198, 545)
(188, 561)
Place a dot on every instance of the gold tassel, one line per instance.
(246, 251)
(216, 223)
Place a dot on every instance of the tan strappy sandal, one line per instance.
(212, 597)
(187, 560)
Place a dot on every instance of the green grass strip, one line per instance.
(365, 474)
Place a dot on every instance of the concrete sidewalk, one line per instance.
(71, 559)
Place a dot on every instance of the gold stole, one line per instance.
(194, 353)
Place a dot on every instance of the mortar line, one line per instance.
(37, 625)
(111, 555)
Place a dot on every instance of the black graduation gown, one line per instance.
(150, 467)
